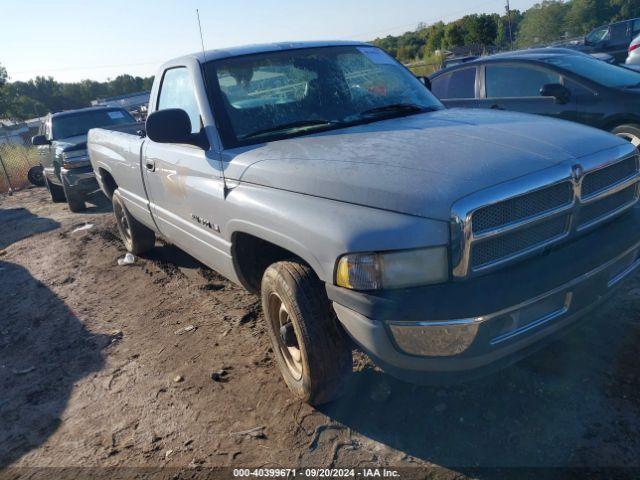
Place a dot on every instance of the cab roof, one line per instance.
(84, 110)
(222, 53)
(534, 54)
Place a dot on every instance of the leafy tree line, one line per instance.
(37, 97)
(545, 22)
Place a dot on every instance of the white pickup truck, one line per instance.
(328, 178)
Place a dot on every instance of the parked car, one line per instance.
(612, 39)
(62, 150)
(561, 85)
(327, 178)
(633, 56)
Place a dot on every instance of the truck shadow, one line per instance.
(562, 406)
(19, 223)
(44, 350)
(44, 347)
(97, 202)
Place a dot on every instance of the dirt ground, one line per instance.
(93, 373)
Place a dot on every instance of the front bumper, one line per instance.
(81, 179)
(462, 329)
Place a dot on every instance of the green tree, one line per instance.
(453, 35)
(623, 9)
(583, 15)
(543, 23)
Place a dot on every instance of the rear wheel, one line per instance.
(137, 238)
(311, 349)
(630, 132)
(56, 191)
(36, 176)
(75, 200)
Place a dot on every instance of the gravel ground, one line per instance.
(94, 372)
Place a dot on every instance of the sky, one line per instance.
(72, 40)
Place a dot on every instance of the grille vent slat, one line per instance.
(506, 245)
(605, 177)
(523, 207)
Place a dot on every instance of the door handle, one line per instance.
(150, 164)
(495, 106)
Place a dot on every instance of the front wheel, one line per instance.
(137, 238)
(75, 200)
(630, 132)
(56, 191)
(311, 348)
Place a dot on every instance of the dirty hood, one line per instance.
(78, 142)
(419, 164)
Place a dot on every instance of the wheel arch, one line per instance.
(620, 119)
(253, 249)
(107, 182)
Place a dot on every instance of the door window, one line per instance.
(516, 81)
(177, 92)
(459, 84)
(618, 33)
(636, 28)
(598, 35)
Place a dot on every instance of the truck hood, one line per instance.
(419, 164)
(79, 142)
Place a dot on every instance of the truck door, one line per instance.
(184, 182)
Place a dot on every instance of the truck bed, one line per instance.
(116, 152)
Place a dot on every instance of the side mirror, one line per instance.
(425, 81)
(40, 140)
(171, 126)
(561, 93)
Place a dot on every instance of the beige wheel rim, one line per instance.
(286, 338)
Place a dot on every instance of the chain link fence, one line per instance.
(15, 161)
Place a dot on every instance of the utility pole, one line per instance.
(509, 20)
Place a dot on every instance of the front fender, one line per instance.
(319, 230)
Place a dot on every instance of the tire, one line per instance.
(36, 176)
(630, 132)
(137, 238)
(75, 200)
(311, 349)
(56, 191)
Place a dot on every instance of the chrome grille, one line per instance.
(502, 247)
(499, 225)
(604, 207)
(523, 207)
(605, 177)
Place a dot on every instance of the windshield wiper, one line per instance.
(394, 108)
(290, 126)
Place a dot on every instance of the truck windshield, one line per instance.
(74, 124)
(274, 95)
(597, 70)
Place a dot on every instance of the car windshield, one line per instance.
(597, 70)
(278, 94)
(72, 125)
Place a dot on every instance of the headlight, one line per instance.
(75, 159)
(386, 270)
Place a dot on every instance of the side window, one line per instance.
(636, 28)
(618, 33)
(177, 91)
(598, 35)
(514, 81)
(577, 89)
(459, 84)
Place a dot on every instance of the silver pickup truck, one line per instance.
(328, 178)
